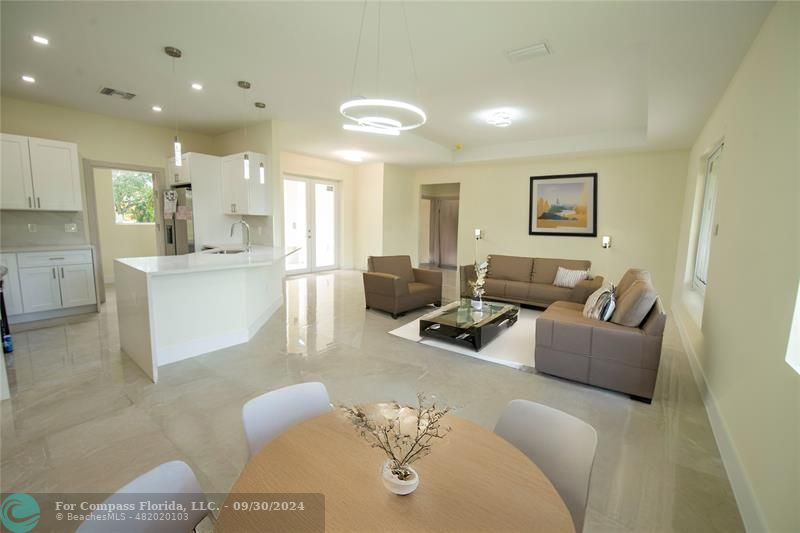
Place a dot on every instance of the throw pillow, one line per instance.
(634, 304)
(600, 304)
(569, 278)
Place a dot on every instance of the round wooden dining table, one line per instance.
(320, 475)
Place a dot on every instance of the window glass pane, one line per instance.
(133, 197)
(706, 223)
(295, 227)
(325, 225)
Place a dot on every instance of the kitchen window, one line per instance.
(133, 197)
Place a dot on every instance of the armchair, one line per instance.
(392, 285)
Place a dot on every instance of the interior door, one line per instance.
(311, 224)
(15, 173)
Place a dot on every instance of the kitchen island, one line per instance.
(171, 308)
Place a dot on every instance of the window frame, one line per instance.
(114, 205)
(707, 227)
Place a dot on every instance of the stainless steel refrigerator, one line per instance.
(178, 225)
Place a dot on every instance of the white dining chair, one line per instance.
(267, 416)
(562, 446)
(170, 481)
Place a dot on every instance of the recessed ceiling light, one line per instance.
(501, 119)
(41, 40)
(351, 155)
(28, 79)
(157, 108)
(197, 87)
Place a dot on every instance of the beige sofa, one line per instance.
(392, 285)
(528, 280)
(599, 353)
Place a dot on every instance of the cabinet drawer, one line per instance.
(66, 257)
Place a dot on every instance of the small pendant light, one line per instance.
(246, 167)
(175, 53)
(245, 85)
(261, 177)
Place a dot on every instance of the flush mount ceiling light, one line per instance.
(354, 156)
(380, 115)
(41, 40)
(500, 119)
(28, 79)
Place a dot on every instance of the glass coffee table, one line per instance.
(460, 323)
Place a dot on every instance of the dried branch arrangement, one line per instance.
(404, 433)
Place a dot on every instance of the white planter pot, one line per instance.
(398, 486)
(477, 304)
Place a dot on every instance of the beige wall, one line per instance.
(100, 138)
(739, 333)
(345, 175)
(118, 240)
(400, 233)
(639, 205)
(369, 213)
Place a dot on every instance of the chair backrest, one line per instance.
(174, 481)
(398, 265)
(562, 446)
(267, 416)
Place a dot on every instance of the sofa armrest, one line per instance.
(581, 292)
(428, 277)
(467, 274)
(386, 284)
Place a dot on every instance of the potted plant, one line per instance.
(404, 433)
(477, 286)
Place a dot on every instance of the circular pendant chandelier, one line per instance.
(380, 115)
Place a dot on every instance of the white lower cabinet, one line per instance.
(40, 289)
(77, 285)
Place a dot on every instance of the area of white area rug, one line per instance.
(513, 347)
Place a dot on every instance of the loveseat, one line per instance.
(529, 280)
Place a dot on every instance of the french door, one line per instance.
(310, 223)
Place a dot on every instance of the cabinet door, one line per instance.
(258, 194)
(11, 292)
(15, 173)
(234, 186)
(40, 290)
(179, 175)
(56, 177)
(77, 285)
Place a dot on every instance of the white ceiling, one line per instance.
(621, 75)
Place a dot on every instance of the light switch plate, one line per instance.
(71, 228)
(32, 228)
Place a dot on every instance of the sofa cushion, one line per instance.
(517, 290)
(541, 293)
(398, 265)
(544, 270)
(573, 312)
(494, 287)
(510, 267)
(600, 304)
(634, 304)
(569, 278)
(631, 275)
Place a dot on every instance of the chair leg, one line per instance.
(437, 304)
(395, 315)
(367, 307)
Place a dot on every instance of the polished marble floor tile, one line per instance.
(82, 416)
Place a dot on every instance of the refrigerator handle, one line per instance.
(169, 235)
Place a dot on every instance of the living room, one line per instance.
(673, 120)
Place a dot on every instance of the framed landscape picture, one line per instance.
(564, 205)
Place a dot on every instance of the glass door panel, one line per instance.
(324, 225)
(296, 227)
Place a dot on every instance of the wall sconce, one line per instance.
(478, 234)
(606, 241)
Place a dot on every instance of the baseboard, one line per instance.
(752, 516)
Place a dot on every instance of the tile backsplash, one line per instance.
(49, 228)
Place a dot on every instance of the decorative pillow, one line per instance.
(634, 304)
(569, 278)
(600, 304)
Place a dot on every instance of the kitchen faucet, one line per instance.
(245, 226)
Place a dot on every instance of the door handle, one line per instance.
(38, 202)
(29, 202)
(62, 272)
(54, 272)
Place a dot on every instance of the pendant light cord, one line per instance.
(174, 100)
(410, 49)
(378, 53)
(358, 47)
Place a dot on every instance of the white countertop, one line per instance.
(44, 248)
(205, 261)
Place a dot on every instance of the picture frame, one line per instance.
(563, 205)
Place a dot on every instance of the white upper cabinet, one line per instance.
(17, 187)
(181, 175)
(241, 196)
(40, 174)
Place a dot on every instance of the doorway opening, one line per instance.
(310, 208)
(438, 238)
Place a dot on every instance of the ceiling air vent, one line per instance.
(108, 91)
(528, 52)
